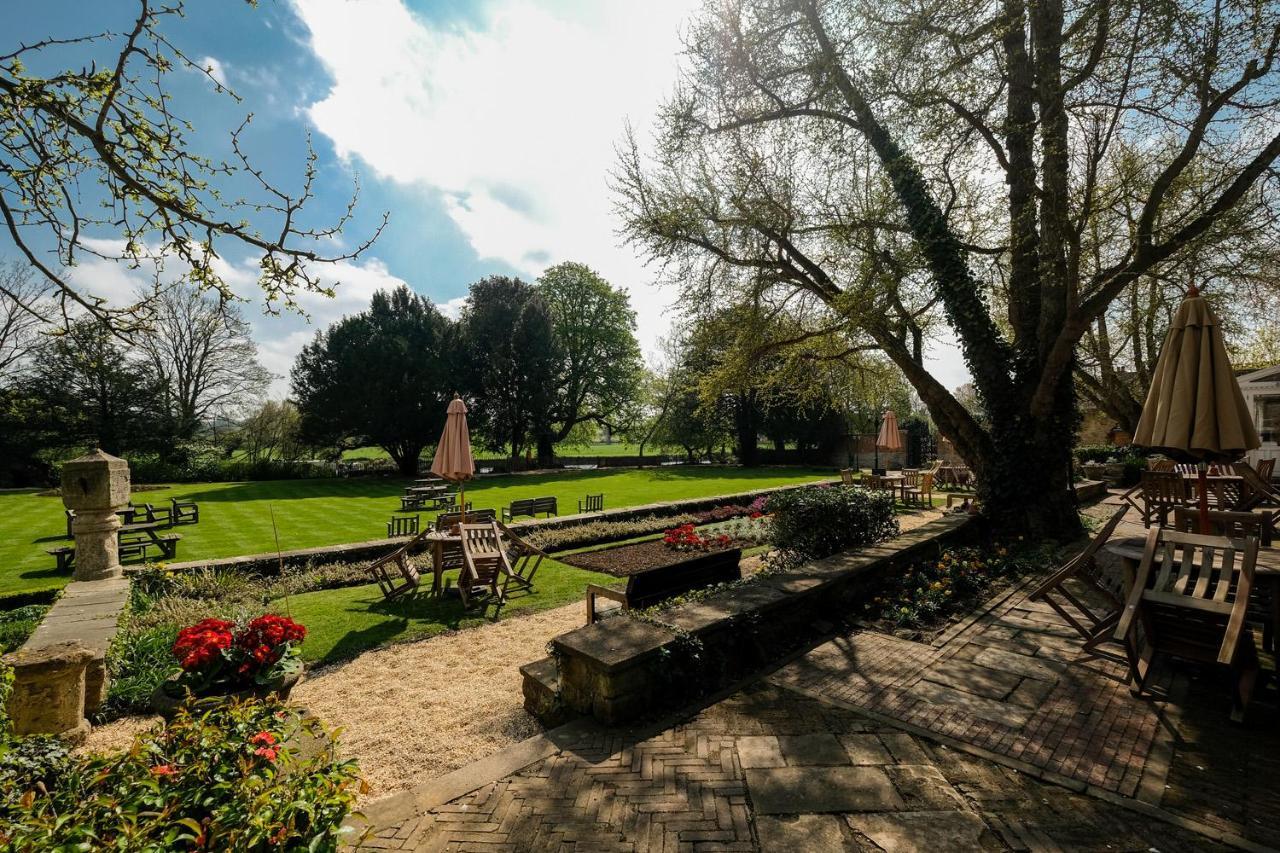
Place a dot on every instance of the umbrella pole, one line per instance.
(1203, 478)
(462, 501)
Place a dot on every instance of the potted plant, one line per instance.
(219, 658)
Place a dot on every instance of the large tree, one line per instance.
(900, 166)
(99, 159)
(510, 359)
(381, 377)
(22, 317)
(598, 367)
(203, 352)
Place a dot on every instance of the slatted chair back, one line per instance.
(395, 573)
(446, 520)
(484, 560)
(592, 503)
(1162, 465)
(921, 491)
(1266, 468)
(1234, 525)
(1190, 598)
(1095, 620)
(1161, 492)
(846, 476)
(1186, 468)
(523, 558)
(403, 525)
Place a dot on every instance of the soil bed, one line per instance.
(630, 559)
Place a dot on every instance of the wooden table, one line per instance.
(1266, 570)
(438, 540)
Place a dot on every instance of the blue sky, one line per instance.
(486, 128)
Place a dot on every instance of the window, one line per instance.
(1269, 422)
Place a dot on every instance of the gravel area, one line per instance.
(415, 711)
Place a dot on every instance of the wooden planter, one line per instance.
(169, 696)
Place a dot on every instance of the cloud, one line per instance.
(215, 68)
(514, 121)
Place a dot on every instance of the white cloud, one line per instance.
(514, 122)
(215, 68)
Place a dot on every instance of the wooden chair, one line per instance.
(523, 559)
(592, 503)
(161, 515)
(921, 493)
(184, 512)
(1095, 623)
(483, 562)
(446, 520)
(403, 525)
(1266, 469)
(1234, 525)
(1189, 600)
(1161, 492)
(71, 518)
(395, 573)
(1161, 465)
(846, 477)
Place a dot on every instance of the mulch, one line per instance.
(629, 559)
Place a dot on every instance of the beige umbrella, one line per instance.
(889, 437)
(1194, 409)
(453, 459)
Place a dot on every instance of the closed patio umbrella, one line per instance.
(1194, 410)
(889, 438)
(453, 459)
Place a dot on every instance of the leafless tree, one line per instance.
(203, 352)
(21, 315)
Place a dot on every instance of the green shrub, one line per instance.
(137, 661)
(6, 687)
(1099, 453)
(931, 588)
(18, 624)
(819, 521)
(223, 776)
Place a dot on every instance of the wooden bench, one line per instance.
(654, 586)
(591, 503)
(952, 497)
(140, 547)
(161, 515)
(409, 503)
(531, 507)
(183, 512)
(403, 525)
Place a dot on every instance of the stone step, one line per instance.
(541, 687)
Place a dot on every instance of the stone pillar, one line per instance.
(48, 690)
(96, 486)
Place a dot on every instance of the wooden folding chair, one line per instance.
(919, 492)
(846, 477)
(1160, 465)
(395, 573)
(1161, 492)
(1233, 525)
(523, 560)
(483, 562)
(1266, 469)
(1095, 623)
(1189, 600)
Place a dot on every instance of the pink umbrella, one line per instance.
(453, 459)
(888, 439)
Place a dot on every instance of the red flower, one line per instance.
(161, 770)
(267, 752)
(263, 641)
(263, 739)
(202, 642)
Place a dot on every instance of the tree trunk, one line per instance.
(546, 450)
(748, 433)
(406, 458)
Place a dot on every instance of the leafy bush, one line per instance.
(137, 660)
(1096, 453)
(1134, 459)
(224, 776)
(6, 687)
(18, 624)
(819, 521)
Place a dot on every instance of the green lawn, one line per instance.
(343, 622)
(236, 518)
(617, 448)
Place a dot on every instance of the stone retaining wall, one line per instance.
(624, 668)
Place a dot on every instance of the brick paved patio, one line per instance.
(992, 737)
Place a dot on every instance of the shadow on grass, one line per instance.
(429, 614)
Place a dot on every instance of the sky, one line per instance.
(486, 129)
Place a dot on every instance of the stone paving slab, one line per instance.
(814, 790)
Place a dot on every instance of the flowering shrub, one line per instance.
(216, 657)
(720, 513)
(818, 521)
(927, 590)
(220, 776)
(687, 538)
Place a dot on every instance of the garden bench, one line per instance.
(654, 586)
(446, 520)
(409, 503)
(141, 546)
(157, 516)
(183, 512)
(952, 497)
(592, 503)
(402, 525)
(531, 507)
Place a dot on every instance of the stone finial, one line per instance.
(95, 486)
(48, 690)
(95, 481)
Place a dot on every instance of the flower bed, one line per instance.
(223, 776)
(218, 658)
(676, 545)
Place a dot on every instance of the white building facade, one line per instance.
(1262, 394)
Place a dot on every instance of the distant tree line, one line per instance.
(537, 363)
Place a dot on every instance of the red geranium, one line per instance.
(262, 642)
(202, 643)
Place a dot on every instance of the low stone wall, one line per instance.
(623, 668)
(1090, 490)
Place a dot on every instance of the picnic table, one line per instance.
(137, 539)
(1128, 546)
(953, 475)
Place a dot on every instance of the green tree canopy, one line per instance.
(380, 377)
(598, 365)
